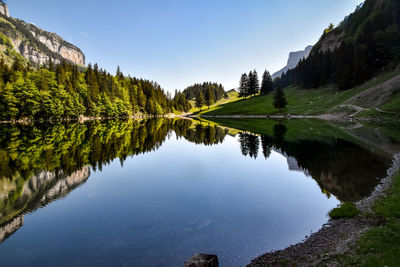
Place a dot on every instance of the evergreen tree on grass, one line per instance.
(280, 99)
(243, 86)
(266, 85)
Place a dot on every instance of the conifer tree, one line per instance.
(200, 100)
(210, 98)
(280, 99)
(243, 86)
(266, 85)
(254, 84)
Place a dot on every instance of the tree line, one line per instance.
(249, 85)
(205, 94)
(65, 91)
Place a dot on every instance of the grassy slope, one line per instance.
(304, 102)
(232, 96)
(380, 246)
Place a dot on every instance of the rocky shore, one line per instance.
(337, 237)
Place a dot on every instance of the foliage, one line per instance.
(200, 100)
(280, 99)
(249, 84)
(64, 91)
(243, 85)
(346, 210)
(193, 91)
(267, 84)
(210, 97)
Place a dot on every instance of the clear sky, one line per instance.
(179, 42)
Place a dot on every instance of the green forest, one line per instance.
(66, 91)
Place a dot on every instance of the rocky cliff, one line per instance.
(294, 59)
(36, 45)
(4, 9)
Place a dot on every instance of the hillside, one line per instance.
(378, 98)
(352, 71)
(34, 44)
(365, 43)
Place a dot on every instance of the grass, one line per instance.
(232, 97)
(346, 210)
(380, 246)
(301, 101)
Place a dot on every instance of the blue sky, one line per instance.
(180, 42)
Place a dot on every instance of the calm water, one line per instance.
(153, 193)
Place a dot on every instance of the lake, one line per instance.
(154, 192)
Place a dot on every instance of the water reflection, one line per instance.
(42, 163)
(344, 169)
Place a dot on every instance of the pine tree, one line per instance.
(254, 84)
(266, 85)
(200, 100)
(210, 98)
(243, 86)
(280, 99)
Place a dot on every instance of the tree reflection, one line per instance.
(279, 134)
(342, 168)
(249, 144)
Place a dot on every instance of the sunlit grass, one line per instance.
(301, 101)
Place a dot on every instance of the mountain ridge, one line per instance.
(294, 59)
(34, 44)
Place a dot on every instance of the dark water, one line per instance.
(152, 193)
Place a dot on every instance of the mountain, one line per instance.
(365, 44)
(32, 43)
(294, 59)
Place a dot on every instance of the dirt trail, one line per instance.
(376, 96)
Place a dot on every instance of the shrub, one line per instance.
(345, 210)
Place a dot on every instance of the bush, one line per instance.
(345, 210)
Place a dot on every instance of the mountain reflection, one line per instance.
(346, 170)
(42, 163)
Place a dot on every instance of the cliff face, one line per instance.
(36, 45)
(4, 9)
(294, 59)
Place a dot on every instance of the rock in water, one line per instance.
(202, 260)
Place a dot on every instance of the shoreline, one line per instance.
(325, 117)
(82, 119)
(336, 237)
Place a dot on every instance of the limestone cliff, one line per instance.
(294, 59)
(4, 9)
(36, 45)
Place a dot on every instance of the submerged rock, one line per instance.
(202, 260)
